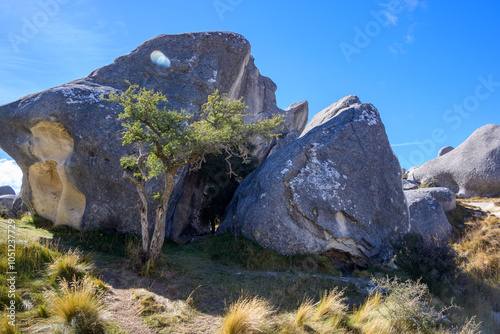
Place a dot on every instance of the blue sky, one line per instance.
(431, 67)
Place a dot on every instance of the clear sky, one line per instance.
(430, 67)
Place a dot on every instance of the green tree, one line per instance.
(165, 140)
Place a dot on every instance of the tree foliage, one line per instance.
(164, 140)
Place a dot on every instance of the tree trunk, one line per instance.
(161, 216)
(142, 205)
(143, 210)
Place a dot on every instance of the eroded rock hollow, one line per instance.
(52, 195)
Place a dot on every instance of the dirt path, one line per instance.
(486, 205)
(125, 312)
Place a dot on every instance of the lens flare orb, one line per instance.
(158, 58)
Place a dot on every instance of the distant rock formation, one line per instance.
(444, 150)
(471, 169)
(336, 190)
(6, 190)
(66, 139)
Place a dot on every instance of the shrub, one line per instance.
(407, 307)
(79, 306)
(247, 315)
(433, 262)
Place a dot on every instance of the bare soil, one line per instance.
(488, 205)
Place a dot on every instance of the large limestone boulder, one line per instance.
(335, 190)
(471, 169)
(427, 215)
(66, 139)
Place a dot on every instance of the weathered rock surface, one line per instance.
(6, 190)
(336, 190)
(18, 206)
(66, 139)
(444, 150)
(6, 201)
(331, 111)
(427, 216)
(471, 169)
(444, 196)
(409, 185)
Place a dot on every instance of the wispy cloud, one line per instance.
(65, 48)
(407, 144)
(398, 48)
(10, 174)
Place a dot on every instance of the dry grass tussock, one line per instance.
(479, 250)
(160, 312)
(70, 266)
(248, 315)
(394, 307)
(78, 306)
(304, 312)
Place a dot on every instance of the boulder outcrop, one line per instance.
(471, 169)
(7, 190)
(335, 190)
(427, 215)
(6, 201)
(66, 139)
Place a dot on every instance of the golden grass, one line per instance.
(5, 327)
(78, 305)
(331, 304)
(368, 309)
(70, 266)
(304, 312)
(479, 250)
(248, 315)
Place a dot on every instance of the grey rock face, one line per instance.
(444, 150)
(409, 185)
(6, 201)
(335, 190)
(427, 216)
(18, 207)
(6, 190)
(444, 196)
(331, 111)
(295, 122)
(66, 139)
(471, 169)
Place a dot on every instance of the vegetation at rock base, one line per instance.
(164, 140)
(223, 284)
